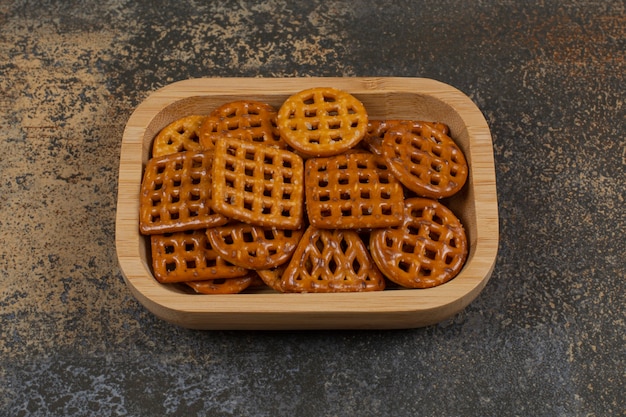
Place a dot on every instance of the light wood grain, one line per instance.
(408, 98)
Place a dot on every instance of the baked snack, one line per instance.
(355, 190)
(376, 130)
(427, 250)
(254, 247)
(222, 285)
(272, 277)
(444, 128)
(322, 121)
(176, 194)
(179, 136)
(243, 119)
(425, 160)
(331, 261)
(257, 184)
(188, 256)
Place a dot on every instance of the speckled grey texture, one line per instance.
(545, 338)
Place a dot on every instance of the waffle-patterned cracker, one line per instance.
(222, 285)
(425, 160)
(429, 248)
(244, 119)
(272, 277)
(376, 130)
(257, 184)
(322, 121)
(176, 194)
(188, 256)
(179, 136)
(254, 247)
(352, 191)
(331, 261)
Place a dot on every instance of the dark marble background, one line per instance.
(546, 337)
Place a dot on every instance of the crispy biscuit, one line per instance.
(376, 130)
(331, 261)
(244, 119)
(188, 256)
(222, 285)
(179, 136)
(429, 248)
(257, 184)
(254, 247)
(176, 194)
(322, 121)
(272, 277)
(425, 160)
(355, 190)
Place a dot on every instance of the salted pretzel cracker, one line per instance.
(425, 160)
(331, 261)
(257, 184)
(444, 128)
(176, 194)
(376, 130)
(188, 256)
(222, 285)
(242, 119)
(429, 248)
(322, 121)
(254, 247)
(272, 277)
(352, 191)
(179, 136)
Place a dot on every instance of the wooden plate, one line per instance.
(392, 98)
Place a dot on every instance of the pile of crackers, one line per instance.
(310, 197)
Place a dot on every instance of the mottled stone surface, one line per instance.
(545, 338)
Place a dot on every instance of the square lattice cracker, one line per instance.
(175, 194)
(352, 191)
(189, 256)
(258, 184)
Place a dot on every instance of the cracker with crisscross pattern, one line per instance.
(352, 191)
(257, 184)
(376, 130)
(188, 256)
(425, 160)
(181, 135)
(331, 261)
(243, 119)
(322, 121)
(429, 248)
(272, 277)
(254, 247)
(176, 194)
(222, 285)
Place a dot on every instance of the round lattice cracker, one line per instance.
(376, 130)
(425, 160)
(322, 121)
(181, 135)
(429, 248)
(254, 247)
